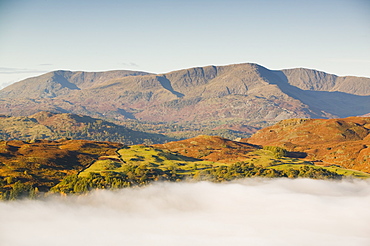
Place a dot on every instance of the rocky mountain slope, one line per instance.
(344, 142)
(246, 94)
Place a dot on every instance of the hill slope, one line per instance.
(77, 166)
(44, 163)
(344, 142)
(210, 148)
(51, 126)
(246, 94)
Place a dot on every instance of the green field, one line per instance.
(152, 158)
(148, 157)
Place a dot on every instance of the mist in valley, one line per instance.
(246, 212)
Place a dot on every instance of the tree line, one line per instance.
(141, 175)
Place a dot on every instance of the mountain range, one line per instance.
(212, 97)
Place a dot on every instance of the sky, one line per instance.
(279, 212)
(38, 36)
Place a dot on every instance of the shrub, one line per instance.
(278, 152)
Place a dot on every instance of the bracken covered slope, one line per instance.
(344, 142)
(210, 148)
(44, 163)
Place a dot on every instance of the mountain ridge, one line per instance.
(245, 94)
(56, 81)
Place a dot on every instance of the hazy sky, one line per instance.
(277, 212)
(37, 36)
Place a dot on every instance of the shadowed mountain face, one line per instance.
(244, 93)
(322, 93)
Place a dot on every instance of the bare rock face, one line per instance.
(242, 93)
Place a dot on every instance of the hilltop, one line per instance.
(210, 148)
(212, 97)
(52, 126)
(343, 142)
(44, 163)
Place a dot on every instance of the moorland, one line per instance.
(70, 132)
(42, 167)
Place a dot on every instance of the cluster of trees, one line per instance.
(184, 130)
(97, 130)
(17, 190)
(278, 152)
(133, 175)
(245, 170)
(105, 131)
(142, 175)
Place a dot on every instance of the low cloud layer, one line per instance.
(248, 212)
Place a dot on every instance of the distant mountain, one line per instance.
(51, 126)
(234, 95)
(344, 142)
(53, 84)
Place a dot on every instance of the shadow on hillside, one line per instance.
(244, 142)
(167, 85)
(296, 155)
(339, 104)
(64, 82)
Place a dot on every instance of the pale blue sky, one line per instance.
(38, 36)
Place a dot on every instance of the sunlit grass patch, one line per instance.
(348, 172)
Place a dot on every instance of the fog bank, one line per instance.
(248, 212)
